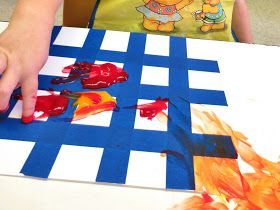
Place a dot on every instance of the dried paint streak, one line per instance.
(222, 176)
(46, 106)
(154, 109)
(91, 103)
(92, 76)
(176, 154)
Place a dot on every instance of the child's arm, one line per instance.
(24, 49)
(241, 22)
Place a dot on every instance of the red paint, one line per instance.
(207, 198)
(27, 120)
(151, 110)
(93, 76)
(50, 105)
(94, 97)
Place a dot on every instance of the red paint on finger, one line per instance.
(28, 119)
(50, 105)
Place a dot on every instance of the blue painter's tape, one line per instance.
(113, 166)
(213, 97)
(213, 146)
(90, 136)
(64, 51)
(149, 141)
(40, 161)
(111, 56)
(152, 92)
(156, 60)
(55, 32)
(91, 46)
(203, 65)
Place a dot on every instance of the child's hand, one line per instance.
(23, 52)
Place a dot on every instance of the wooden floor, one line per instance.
(264, 17)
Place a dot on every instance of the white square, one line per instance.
(157, 45)
(72, 37)
(17, 110)
(152, 75)
(145, 124)
(206, 80)
(146, 169)
(77, 163)
(115, 41)
(119, 65)
(13, 155)
(100, 119)
(3, 26)
(55, 65)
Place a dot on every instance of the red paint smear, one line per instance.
(93, 76)
(151, 110)
(28, 119)
(207, 198)
(51, 105)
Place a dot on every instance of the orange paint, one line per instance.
(90, 103)
(222, 176)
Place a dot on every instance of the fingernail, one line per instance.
(4, 110)
(27, 120)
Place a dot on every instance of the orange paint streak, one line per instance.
(222, 176)
(91, 103)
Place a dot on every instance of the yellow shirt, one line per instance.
(202, 19)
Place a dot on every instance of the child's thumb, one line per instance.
(3, 62)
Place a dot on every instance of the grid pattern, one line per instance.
(112, 152)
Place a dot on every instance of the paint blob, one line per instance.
(92, 76)
(47, 106)
(91, 103)
(151, 110)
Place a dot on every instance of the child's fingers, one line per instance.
(29, 89)
(3, 62)
(8, 82)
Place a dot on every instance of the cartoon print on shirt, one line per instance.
(161, 15)
(212, 15)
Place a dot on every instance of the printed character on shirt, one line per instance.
(212, 15)
(161, 15)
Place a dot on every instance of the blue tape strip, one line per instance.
(119, 144)
(40, 160)
(212, 97)
(213, 146)
(113, 166)
(203, 65)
